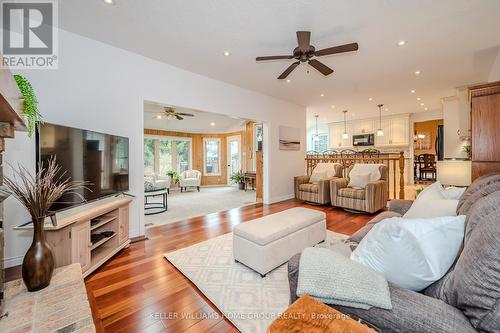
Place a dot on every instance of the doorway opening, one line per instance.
(197, 163)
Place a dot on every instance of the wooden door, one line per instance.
(123, 224)
(485, 128)
(259, 180)
(80, 244)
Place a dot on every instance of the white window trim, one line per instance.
(205, 173)
(174, 153)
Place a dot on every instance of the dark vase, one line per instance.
(38, 263)
(241, 186)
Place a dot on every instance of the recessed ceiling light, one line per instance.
(332, 106)
(370, 99)
(386, 109)
(422, 104)
(322, 95)
(212, 124)
(226, 53)
(417, 72)
(401, 42)
(412, 91)
(426, 109)
(288, 80)
(109, 2)
(418, 98)
(158, 116)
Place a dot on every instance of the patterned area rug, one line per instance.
(250, 302)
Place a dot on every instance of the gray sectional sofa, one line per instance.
(467, 298)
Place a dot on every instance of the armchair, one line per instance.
(317, 190)
(153, 181)
(190, 178)
(370, 199)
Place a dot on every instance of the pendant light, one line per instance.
(345, 135)
(316, 136)
(380, 132)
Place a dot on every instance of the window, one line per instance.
(322, 144)
(165, 156)
(162, 155)
(183, 152)
(212, 156)
(149, 155)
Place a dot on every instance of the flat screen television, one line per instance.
(101, 159)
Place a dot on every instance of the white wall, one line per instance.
(103, 88)
(495, 70)
(456, 119)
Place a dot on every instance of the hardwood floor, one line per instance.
(139, 287)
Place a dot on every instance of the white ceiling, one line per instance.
(200, 123)
(452, 43)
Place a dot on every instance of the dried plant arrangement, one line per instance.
(37, 193)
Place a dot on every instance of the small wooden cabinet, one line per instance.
(485, 124)
(71, 240)
(80, 244)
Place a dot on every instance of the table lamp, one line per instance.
(454, 172)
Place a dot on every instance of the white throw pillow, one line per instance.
(454, 193)
(359, 180)
(412, 254)
(432, 192)
(191, 174)
(316, 176)
(431, 208)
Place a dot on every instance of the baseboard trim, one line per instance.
(138, 239)
(282, 198)
(13, 261)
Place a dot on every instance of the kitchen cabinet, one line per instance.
(396, 132)
(336, 136)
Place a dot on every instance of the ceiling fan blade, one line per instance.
(304, 39)
(178, 117)
(288, 70)
(185, 114)
(273, 58)
(324, 69)
(337, 49)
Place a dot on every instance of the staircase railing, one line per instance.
(395, 166)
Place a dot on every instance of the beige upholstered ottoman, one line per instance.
(270, 241)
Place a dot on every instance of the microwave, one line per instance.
(363, 140)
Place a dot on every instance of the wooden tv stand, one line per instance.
(71, 242)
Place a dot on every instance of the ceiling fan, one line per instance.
(305, 52)
(169, 113)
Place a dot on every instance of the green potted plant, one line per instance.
(30, 110)
(174, 177)
(238, 178)
(37, 193)
(467, 148)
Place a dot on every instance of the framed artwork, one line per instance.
(289, 138)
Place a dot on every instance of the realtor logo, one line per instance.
(29, 34)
